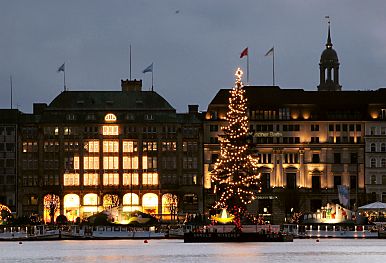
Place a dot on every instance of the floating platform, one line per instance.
(213, 237)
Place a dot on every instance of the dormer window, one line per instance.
(110, 118)
(149, 117)
(70, 117)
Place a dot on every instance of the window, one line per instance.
(354, 158)
(129, 146)
(331, 127)
(110, 130)
(351, 127)
(189, 162)
(337, 158)
(337, 127)
(130, 179)
(130, 162)
(373, 179)
(149, 117)
(383, 147)
(373, 147)
(373, 130)
(315, 158)
(110, 162)
(169, 146)
(314, 127)
(315, 183)
(149, 162)
(337, 181)
(92, 146)
(91, 179)
(71, 179)
(344, 127)
(169, 162)
(265, 181)
(149, 146)
(358, 127)
(373, 163)
(383, 130)
(314, 139)
(353, 182)
(189, 146)
(383, 163)
(110, 179)
(110, 146)
(150, 179)
(291, 158)
(189, 179)
(90, 163)
(384, 179)
(291, 180)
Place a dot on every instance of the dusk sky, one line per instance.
(195, 45)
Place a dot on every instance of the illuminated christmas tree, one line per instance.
(235, 174)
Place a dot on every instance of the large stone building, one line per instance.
(8, 157)
(91, 150)
(307, 142)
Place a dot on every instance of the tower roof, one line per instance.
(329, 54)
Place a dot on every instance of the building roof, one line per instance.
(275, 96)
(109, 100)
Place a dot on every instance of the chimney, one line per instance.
(38, 108)
(131, 85)
(193, 109)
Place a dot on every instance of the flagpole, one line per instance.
(248, 69)
(64, 77)
(130, 61)
(152, 88)
(10, 79)
(273, 66)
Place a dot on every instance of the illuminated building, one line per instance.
(307, 142)
(93, 150)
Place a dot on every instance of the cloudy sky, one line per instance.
(195, 45)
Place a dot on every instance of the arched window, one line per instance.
(169, 204)
(373, 163)
(150, 203)
(90, 199)
(373, 147)
(71, 203)
(130, 199)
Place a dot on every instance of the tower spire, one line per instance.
(329, 43)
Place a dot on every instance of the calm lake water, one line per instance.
(300, 251)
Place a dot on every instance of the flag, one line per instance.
(344, 197)
(270, 52)
(148, 69)
(244, 53)
(61, 68)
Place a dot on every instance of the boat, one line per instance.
(214, 237)
(226, 233)
(112, 232)
(331, 231)
(38, 232)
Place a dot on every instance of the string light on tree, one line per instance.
(235, 173)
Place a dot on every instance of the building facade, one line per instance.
(307, 142)
(88, 151)
(8, 157)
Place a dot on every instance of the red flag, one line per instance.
(244, 53)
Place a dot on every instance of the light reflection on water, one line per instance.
(300, 251)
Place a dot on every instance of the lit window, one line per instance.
(90, 162)
(76, 162)
(150, 179)
(149, 162)
(91, 179)
(71, 179)
(130, 162)
(130, 179)
(149, 146)
(90, 199)
(129, 146)
(110, 146)
(110, 162)
(130, 199)
(92, 146)
(110, 130)
(110, 118)
(111, 179)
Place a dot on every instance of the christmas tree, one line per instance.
(235, 174)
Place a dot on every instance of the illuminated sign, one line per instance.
(110, 117)
(266, 134)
